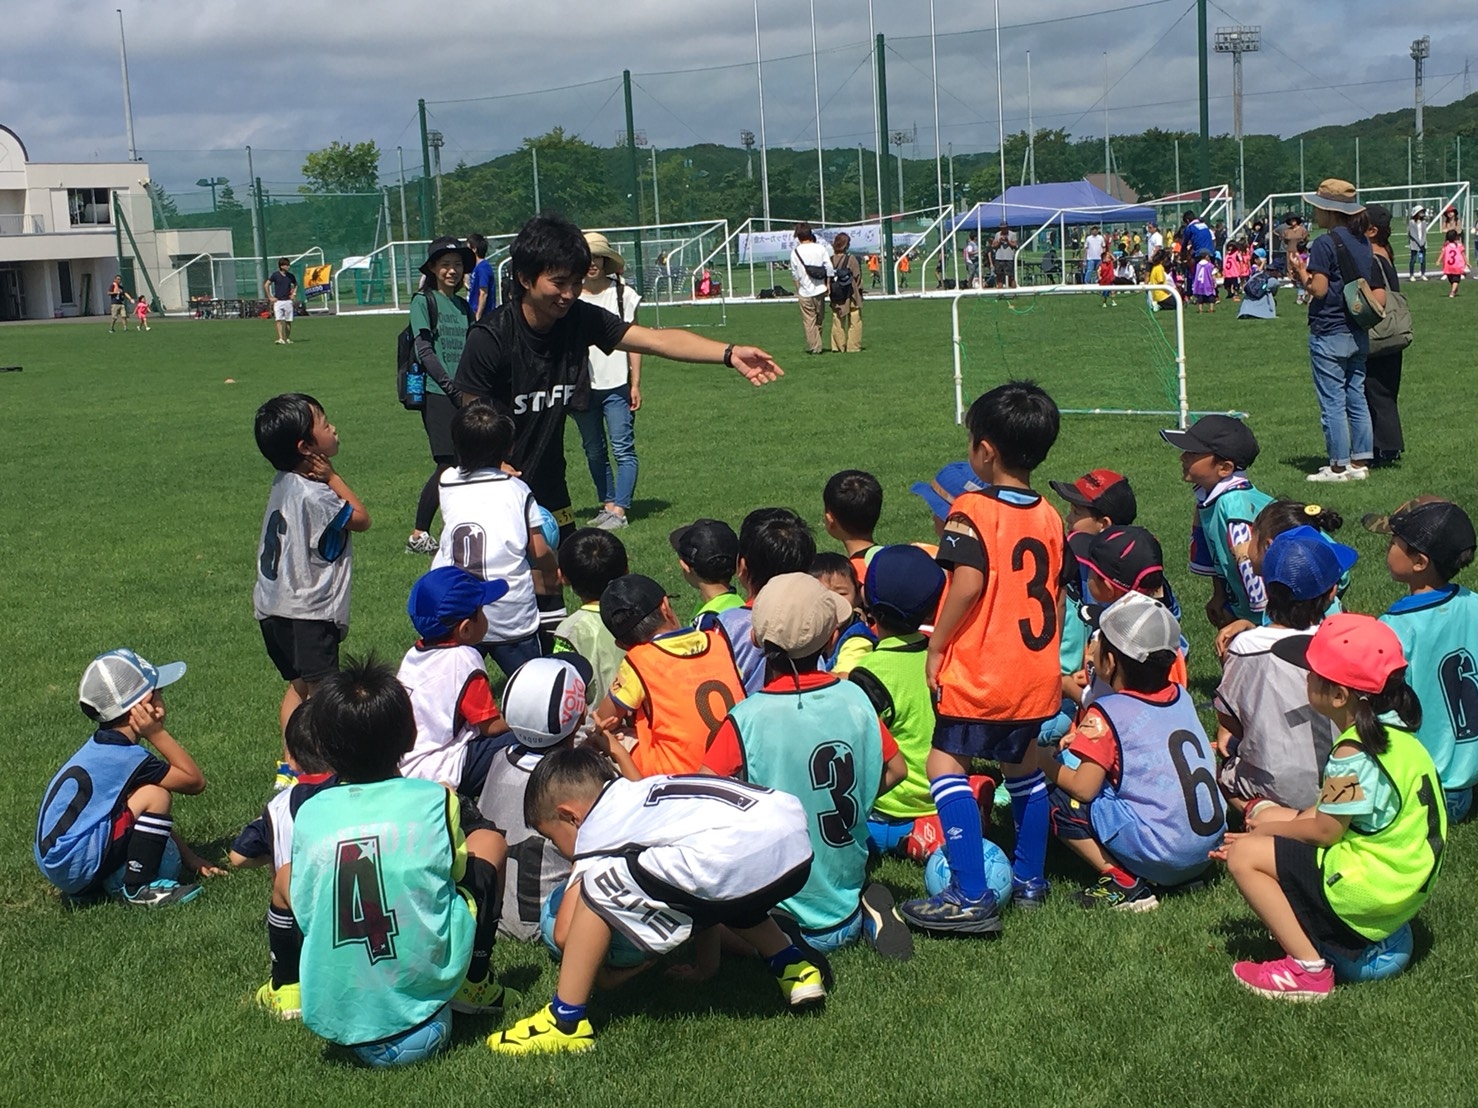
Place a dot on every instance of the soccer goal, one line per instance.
(1096, 354)
(1402, 200)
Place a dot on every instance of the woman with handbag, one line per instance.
(1387, 340)
(1346, 297)
(846, 312)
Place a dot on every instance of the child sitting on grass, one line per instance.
(305, 556)
(708, 553)
(394, 938)
(1119, 561)
(1140, 818)
(106, 826)
(837, 573)
(268, 841)
(1215, 454)
(1431, 543)
(1358, 865)
(456, 715)
(853, 503)
(659, 859)
(1273, 743)
(589, 560)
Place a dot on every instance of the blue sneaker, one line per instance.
(1029, 895)
(950, 912)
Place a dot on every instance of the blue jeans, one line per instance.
(610, 415)
(1339, 380)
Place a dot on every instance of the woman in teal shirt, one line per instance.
(439, 347)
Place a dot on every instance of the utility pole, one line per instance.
(1031, 129)
(635, 194)
(435, 140)
(759, 78)
(861, 188)
(133, 153)
(1203, 87)
(1421, 49)
(405, 227)
(1237, 41)
(884, 207)
(534, 153)
(899, 138)
(425, 173)
(746, 140)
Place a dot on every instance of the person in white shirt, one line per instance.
(810, 266)
(1093, 247)
(1416, 237)
(1153, 239)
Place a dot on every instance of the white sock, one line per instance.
(1310, 967)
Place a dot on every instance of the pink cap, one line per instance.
(1359, 652)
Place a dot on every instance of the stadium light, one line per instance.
(211, 183)
(1421, 50)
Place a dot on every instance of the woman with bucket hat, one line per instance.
(615, 390)
(1338, 345)
(440, 317)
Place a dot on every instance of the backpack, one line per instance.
(1256, 286)
(410, 378)
(842, 282)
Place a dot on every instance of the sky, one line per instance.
(210, 78)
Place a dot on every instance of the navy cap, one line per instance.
(710, 548)
(627, 601)
(903, 585)
(948, 484)
(1224, 436)
(445, 597)
(1306, 563)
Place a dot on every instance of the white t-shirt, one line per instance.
(1093, 247)
(809, 253)
(486, 518)
(611, 371)
(1156, 242)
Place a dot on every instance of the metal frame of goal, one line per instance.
(1182, 411)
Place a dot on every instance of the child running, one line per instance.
(1454, 262)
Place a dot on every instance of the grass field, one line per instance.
(131, 505)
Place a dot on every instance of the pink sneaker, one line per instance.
(1285, 979)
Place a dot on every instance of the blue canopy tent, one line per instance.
(1070, 203)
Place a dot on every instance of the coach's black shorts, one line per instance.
(1302, 882)
(306, 649)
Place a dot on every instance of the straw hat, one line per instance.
(600, 247)
(1335, 195)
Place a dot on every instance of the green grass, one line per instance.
(131, 507)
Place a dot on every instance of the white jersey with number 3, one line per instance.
(486, 517)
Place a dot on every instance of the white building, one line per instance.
(58, 242)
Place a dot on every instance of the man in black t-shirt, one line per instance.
(280, 287)
(530, 354)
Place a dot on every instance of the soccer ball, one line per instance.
(1380, 960)
(1459, 804)
(416, 1045)
(997, 873)
(622, 954)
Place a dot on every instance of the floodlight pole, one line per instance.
(425, 172)
(1000, 105)
(1203, 86)
(816, 89)
(861, 188)
(405, 227)
(934, 68)
(534, 154)
(133, 153)
(885, 207)
(632, 169)
(882, 126)
(1421, 49)
(1237, 41)
(258, 239)
(759, 78)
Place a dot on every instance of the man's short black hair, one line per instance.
(855, 501)
(548, 244)
(282, 423)
(362, 721)
(591, 559)
(482, 435)
(478, 244)
(1019, 419)
(773, 541)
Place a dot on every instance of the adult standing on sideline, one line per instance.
(1153, 239)
(438, 344)
(1093, 248)
(117, 296)
(615, 390)
(1337, 346)
(531, 354)
(810, 268)
(280, 287)
(972, 259)
(1383, 371)
(1416, 239)
(482, 294)
(1292, 240)
(846, 314)
(1003, 257)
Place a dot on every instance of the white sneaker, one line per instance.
(280, 342)
(1357, 473)
(1326, 475)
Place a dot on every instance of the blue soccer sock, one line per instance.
(789, 955)
(566, 1016)
(959, 815)
(1031, 811)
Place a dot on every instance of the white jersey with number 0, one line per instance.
(486, 517)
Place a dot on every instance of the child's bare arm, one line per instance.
(895, 769)
(241, 861)
(495, 726)
(614, 749)
(184, 776)
(318, 468)
(544, 565)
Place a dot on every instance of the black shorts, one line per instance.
(747, 911)
(1069, 816)
(302, 649)
(480, 753)
(472, 817)
(1302, 882)
(1007, 743)
(436, 417)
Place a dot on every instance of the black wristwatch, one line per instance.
(729, 355)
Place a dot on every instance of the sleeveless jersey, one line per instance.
(1221, 540)
(486, 517)
(856, 634)
(1439, 636)
(1375, 882)
(387, 934)
(270, 835)
(76, 822)
(714, 838)
(1165, 811)
(304, 554)
(735, 625)
(687, 697)
(824, 746)
(534, 868)
(1001, 666)
(892, 676)
(436, 677)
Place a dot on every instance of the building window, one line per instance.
(64, 280)
(90, 207)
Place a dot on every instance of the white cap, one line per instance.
(114, 682)
(1138, 626)
(545, 700)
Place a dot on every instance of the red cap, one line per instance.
(1104, 492)
(1358, 652)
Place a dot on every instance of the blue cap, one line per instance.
(903, 585)
(445, 597)
(1307, 561)
(948, 483)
